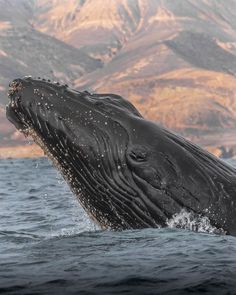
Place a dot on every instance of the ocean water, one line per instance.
(49, 246)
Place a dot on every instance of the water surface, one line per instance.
(49, 246)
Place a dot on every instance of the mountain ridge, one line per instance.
(176, 61)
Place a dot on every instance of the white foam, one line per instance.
(68, 232)
(194, 222)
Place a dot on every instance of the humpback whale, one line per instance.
(126, 171)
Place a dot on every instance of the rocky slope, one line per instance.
(175, 60)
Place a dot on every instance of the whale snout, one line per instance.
(15, 92)
(21, 96)
(14, 86)
(32, 102)
(13, 108)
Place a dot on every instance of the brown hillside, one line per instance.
(175, 60)
(188, 100)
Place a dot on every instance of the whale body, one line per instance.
(126, 171)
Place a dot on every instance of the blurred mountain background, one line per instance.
(175, 60)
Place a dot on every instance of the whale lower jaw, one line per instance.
(30, 132)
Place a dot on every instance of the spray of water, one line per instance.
(194, 222)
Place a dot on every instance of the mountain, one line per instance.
(175, 60)
(104, 27)
(26, 51)
(98, 27)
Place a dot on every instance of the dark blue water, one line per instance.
(49, 246)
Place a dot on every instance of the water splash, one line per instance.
(194, 222)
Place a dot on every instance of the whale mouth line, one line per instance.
(17, 118)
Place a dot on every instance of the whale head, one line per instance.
(114, 160)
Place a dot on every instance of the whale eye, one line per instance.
(138, 154)
(138, 157)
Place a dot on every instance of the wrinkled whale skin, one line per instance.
(126, 171)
